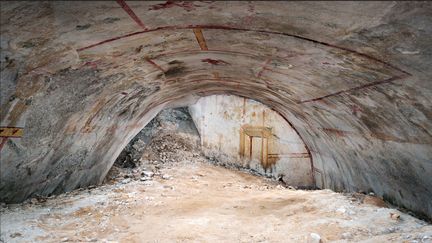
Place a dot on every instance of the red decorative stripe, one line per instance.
(131, 13)
(222, 27)
(3, 142)
(264, 67)
(357, 88)
(154, 64)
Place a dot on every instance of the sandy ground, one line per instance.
(203, 203)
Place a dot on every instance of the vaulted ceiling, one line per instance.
(353, 78)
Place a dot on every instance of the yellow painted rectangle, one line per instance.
(200, 38)
(11, 132)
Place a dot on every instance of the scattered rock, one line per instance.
(166, 177)
(407, 52)
(147, 173)
(279, 187)
(346, 236)
(16, 234)
(125, 181)
(145, 178)
(147, 183)
(390, 230)
(406, 237)
(376, 201)
(395, 216)
(83, 27)
(314, 238)
(110, 20)
(41, 199)
(341, 210)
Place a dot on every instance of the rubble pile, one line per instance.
(170, 138)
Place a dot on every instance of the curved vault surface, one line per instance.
(353, 79)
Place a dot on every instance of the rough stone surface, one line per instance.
(354, 80)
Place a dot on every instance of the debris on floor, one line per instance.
(172, 193)
(200, 202)
(170, 138)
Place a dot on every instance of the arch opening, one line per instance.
(234, 132)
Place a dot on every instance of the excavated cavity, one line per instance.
(353, 81)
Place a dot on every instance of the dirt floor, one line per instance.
(199, 202)
(162, 189)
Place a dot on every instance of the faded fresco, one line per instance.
(253, 136)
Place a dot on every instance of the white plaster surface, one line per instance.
(219, 119)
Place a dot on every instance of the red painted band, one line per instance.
(222, 27)
(131, 13)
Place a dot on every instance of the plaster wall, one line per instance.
(222, 119)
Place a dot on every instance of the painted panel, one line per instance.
(246, 133)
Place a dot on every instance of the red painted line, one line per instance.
(371, 84)
(263, 68)
(91, 64)
(406, 74)
(3, 143)
(306, 146)
(106, 41)
(222, 27)
(154, 64)
(129, 35)
(131, 13)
